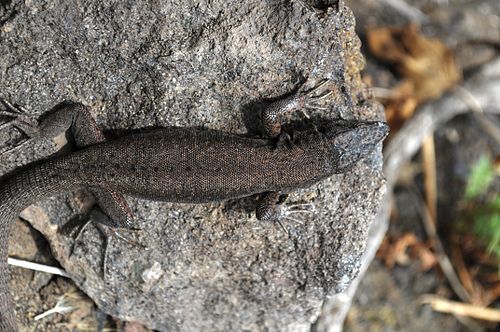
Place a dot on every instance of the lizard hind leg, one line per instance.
(113, 212)
(74, 118)
(112, 215)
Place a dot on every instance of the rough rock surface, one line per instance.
(209, 267)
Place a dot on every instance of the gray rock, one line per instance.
(209, 267)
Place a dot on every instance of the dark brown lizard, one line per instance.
(178, 165)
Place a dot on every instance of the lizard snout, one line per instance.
(355, 140)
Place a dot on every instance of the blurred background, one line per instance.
(435, 66)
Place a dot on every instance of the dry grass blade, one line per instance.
(444, 261)
(61, 307)
(462, 271)
(462, 309)
(37, 267)
(429, 169)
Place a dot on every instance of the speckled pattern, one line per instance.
(210, 64)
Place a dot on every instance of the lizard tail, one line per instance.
(7, 322)
(16, 193)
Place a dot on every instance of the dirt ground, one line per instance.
(389, 299)
(38, 292)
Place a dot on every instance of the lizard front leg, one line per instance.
(267, 208)
(271, 208)
(272, 116)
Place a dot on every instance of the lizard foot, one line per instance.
(286, 211)
(273, 115)
(311, 97)
(18, 118)
(272, 207)
(108, 232)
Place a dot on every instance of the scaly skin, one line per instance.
(177, 165)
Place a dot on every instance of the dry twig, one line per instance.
(430, 183)
(444, 261)
(412, 13)
(462, 309)
(37, 267)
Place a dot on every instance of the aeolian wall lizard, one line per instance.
(178, 165)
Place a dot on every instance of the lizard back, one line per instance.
(195, 165)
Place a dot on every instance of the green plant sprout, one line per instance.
(486, 213)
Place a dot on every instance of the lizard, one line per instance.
(178, 164)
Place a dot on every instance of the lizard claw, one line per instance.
(107, 231)
(286, 211)
(311, 96)
(20, 117)
(12, 108)
(68, 228)
(110, 233)
(316, 88)
(128, 239)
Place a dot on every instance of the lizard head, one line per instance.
(351, 141)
